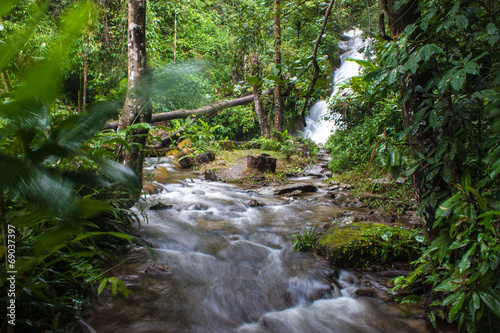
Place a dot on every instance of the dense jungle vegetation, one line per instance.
(426, 107)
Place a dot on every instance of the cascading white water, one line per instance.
(318, 127)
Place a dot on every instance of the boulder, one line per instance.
(255, 203)
(160, 206)
(205, 158)
(295, 193)
(359, 244)
(186, 162)
(303, 187)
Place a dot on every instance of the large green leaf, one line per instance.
(428, 50)
(458, 79)
(119, 173)
(81, 127)
(47, 189)
(27, 113)
(11, 48)
(6, 6)
(492, 301)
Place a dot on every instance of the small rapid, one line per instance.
(223, 265)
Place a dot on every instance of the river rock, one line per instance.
(151, 188)
(186, 162)
(315, 175)
(295, 193)
(361, 244)
(205, 158)
(158, 269)
(198, 206)
(366, 292)
(211, 176)
(255, 203)
(304, 187)
(160, 206)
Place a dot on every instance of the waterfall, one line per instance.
(320, 124)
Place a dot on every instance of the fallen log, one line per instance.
(206, 110)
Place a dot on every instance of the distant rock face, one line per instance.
(263, 162)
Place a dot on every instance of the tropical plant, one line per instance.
(52, 187)
(446, 62)
(202, 135)
(305, 240)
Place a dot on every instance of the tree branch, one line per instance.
(315, 62)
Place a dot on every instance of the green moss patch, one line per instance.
(363, 244)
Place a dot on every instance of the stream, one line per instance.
(221, 265)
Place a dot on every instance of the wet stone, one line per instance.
(198, 206)
(160, 206)
(211, 176)
(295, 193)
(366, 292)
(304, 187)
(255, 203)
(158, 269)
(186, 162)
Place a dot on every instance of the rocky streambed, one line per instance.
(221, 258)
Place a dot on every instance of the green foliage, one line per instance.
(462, 264)
(271, 144)
(306, 240)
(62, 199)
(203, 136)
(238, 123)
(449, 61)
(374, 138)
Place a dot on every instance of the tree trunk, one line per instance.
(205, 110)
(399, 19)
(259, 111)
(278, 104)
(175, 31)
(315, 62)
(137, 108)
(84, 92)
(6, 80)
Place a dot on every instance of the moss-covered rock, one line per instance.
(363, 244)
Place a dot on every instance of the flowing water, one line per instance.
(230, 267)
(320, 124)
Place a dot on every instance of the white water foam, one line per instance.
(318, 127)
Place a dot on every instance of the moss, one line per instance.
(363, 244)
